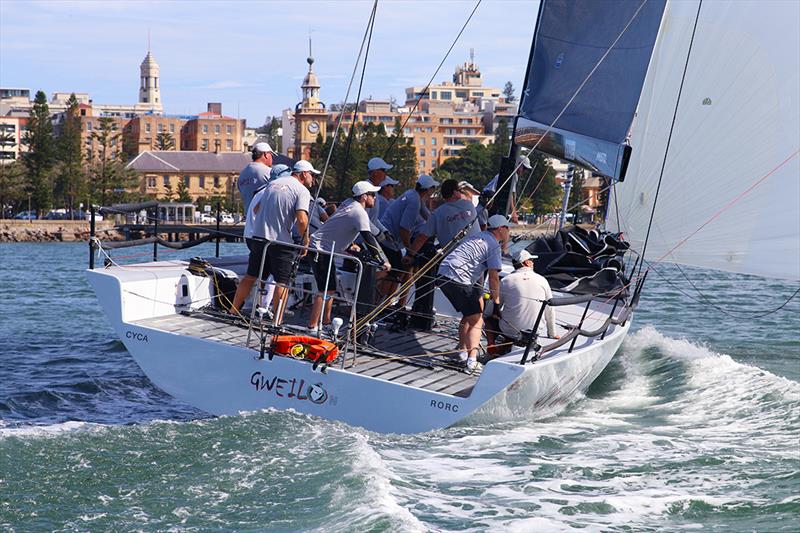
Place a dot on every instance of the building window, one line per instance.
(151, 182)
(202, 182)
(434, 96)
(433, 141)
(433, 152)
(147, 128)
(166, 181)
(422, 140)
(477, 93)
(229, 130)
(217, 129)
(422, 152)
(446, 95)
(187, 180)
(461, 94)
(205, 128)
(160, 128)
(216, 182)
(172, 128)
(88, 126)
(229, 145)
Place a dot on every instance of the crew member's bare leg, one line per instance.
(242, 292)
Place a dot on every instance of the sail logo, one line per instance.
(295, 389)
(559, 60)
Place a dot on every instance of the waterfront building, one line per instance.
(142, 132)
(11, 133)
(310, 116)
(212, 131)
(204, 174)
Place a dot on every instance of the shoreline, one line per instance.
(12, 231)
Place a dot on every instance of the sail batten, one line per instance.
(731, 181)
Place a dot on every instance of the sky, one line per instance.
(251, 56)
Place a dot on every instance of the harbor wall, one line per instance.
(55, 231)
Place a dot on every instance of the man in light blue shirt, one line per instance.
(256, 174)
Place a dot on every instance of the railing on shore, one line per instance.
(151, 208)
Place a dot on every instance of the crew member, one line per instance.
(336, 236)
(256, 174)
(461, 273)
(444, 224)
(376, 171)
(386, 194)
(521, 295)
(280, 171)
(402, 220)
(283, 202)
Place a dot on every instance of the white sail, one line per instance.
(732, 178)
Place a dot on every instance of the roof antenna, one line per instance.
(472, 56)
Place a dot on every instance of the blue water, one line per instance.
(695, 424)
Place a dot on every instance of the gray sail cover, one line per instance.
(571, 38)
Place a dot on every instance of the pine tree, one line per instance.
(508, 92)
(183, 192)
(40, 157)
(12, 185)
(576, 193)
(110, 179)
(502, 143)
(169, 195)
(165, 141)
(69, 176)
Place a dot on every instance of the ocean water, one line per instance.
(695, 424)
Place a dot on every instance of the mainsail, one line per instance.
(588, 62)
(730, 192)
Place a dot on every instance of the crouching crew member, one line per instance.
(280, 204)
(521, 295)
(461, 273)
(336, 236)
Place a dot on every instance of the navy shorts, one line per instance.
(466, 299)
(278, 261)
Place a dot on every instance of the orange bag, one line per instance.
(299, 346)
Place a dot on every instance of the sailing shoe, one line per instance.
(457, 358)
(473, 366)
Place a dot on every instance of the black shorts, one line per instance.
(395, 258)
(320, 267)
(278, 261)
(466, 299)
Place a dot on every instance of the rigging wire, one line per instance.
(425, 90)
(671, 130)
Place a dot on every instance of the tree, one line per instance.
(546, 198)
(12, 185)
(508, 92)
(576, 193)
(169, 194)
(502, 143)
(270, 131)
(183, 192)
(474, 163)
(40, 157)
(109, 179)
(69, 175)
(165, 141)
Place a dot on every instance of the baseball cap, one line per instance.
(263, 148)
(322, 202)
(467, 185)
(363, 187)
(523, 255)
(376, 163)
(279, 171)
(498, 221)
(426, 182)
(525, 161)
(305, 166)
(388, 180)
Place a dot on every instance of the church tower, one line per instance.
(310, 116)
(149, 87)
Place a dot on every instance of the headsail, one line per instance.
(731, 182)
(571, 40)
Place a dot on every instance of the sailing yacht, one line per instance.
(716, 87)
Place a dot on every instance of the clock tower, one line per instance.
(310, 116)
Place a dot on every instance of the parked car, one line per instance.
(26, 215)
(207, 219)
(226, 218)
(56, 214)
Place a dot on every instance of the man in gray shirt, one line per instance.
(256, 174)
(285, 201)
(460, 274)
(336, 236)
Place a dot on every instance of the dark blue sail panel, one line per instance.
(571, 38)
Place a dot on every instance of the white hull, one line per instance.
(222, 378)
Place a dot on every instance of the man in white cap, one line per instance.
(521, 295)
(336, 236)
(460, 276)
(376, 171)
(402, 220)
(386, 194)
(256, 174)
(283, 202)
